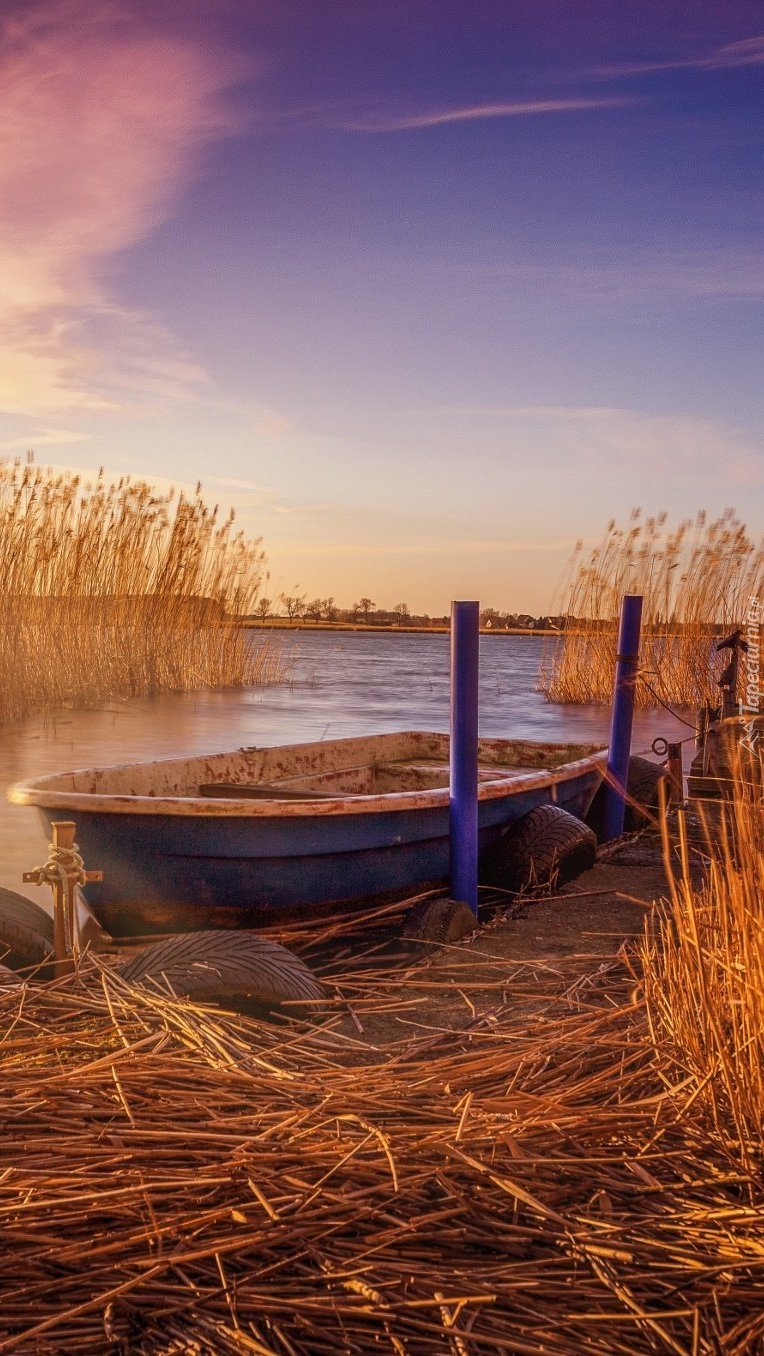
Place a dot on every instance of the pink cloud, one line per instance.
(520, 108)
(746, 52)
(103, 120)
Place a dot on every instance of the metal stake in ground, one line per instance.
(63, 872)
(627, 660)
(465, 649)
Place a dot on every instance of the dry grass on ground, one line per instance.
(473, 1154)
(704, 973)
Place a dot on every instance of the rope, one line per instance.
(64, 867)
(63, 864)
(668, 708)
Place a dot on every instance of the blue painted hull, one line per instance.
(166, 873)
(232, 839)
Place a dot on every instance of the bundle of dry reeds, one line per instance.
(114, 590)
(174, 1180)
(704, 968)
(697, 581)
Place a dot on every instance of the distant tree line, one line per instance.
(296, 606)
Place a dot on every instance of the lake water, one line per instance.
(342, 684)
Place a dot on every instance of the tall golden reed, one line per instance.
(115, 590)
(696, 579)
(703, 962)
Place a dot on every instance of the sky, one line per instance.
(426, 291)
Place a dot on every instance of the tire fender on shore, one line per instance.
(546, 844)
(224, 965)
(26, 932)
(438, 921)
(644, 778)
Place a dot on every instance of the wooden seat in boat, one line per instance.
(258, 791)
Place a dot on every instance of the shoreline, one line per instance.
(280, 624)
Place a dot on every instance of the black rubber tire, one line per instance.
(546, 844)
(224, 965)
(642, 791)
(439, 921)
(26, 931)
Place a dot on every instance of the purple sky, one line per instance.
(428, 291)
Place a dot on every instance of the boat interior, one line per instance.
(366, 779)
(368, 765)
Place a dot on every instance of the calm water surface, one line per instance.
(342, 684)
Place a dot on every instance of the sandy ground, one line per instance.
(541, 954)
(545, 955)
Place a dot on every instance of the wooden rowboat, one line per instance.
(231, 839)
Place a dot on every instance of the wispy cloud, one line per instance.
(557, 414)
(438, 546)
(103, 119)
(43, 437)
(612, 441)
(746, 52)
(689, 273)
(521, 108)
(254, 494)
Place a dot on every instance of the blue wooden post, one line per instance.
(627, 661)
(465, 663)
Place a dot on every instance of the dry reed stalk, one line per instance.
(697, 580)
(704, 974)
(113, 590)
(175, 1180)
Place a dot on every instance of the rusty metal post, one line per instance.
(729, 679)
(702, 727)
(675, 773)
(63, 839)
(63, 872)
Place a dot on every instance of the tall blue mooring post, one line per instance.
(465, 666)
(627, 662)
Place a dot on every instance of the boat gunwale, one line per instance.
(34, 793)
